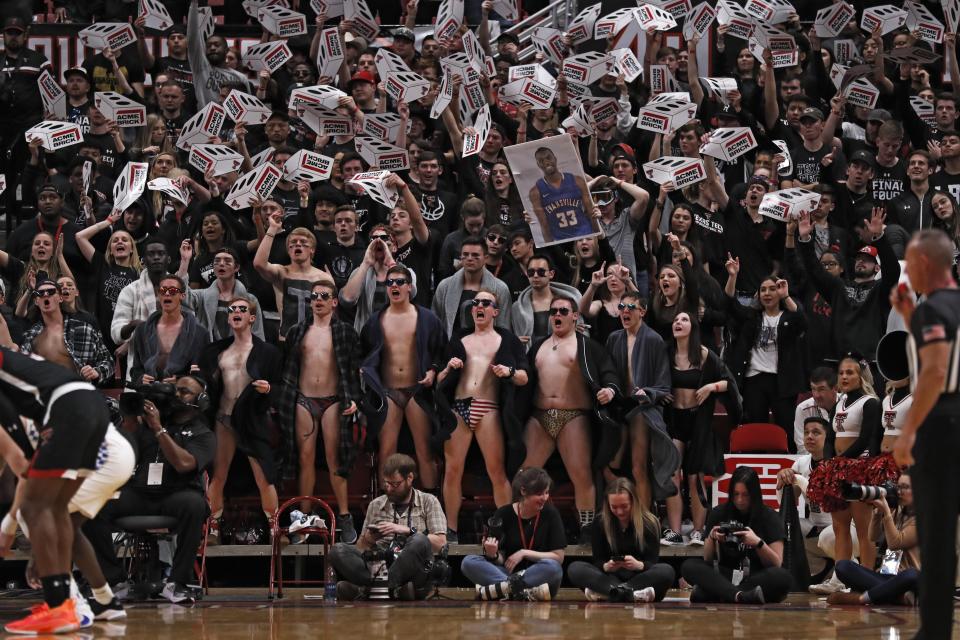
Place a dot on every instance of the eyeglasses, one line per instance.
(562, 311)
(628, 305)
(321, 295)
(492, 237)
(483, 302)
(396, 282)
(238, 308)
(45, 293)
(380, 236)
(830, 263)
(170, 291)
(536, 272)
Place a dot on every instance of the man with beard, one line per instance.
(573, 378)
(475, 393)
(439, 207)
(207, 58)
(291, 282)
(64, 339)
(405, 343)
(858, 186)
(320, 396)
(750, 235)
(860, 306)
(78, 97)
(642, 354)
(559, 201)
(402, 517)
(169, 342)
(241, 370)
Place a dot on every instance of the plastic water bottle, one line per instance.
(330, 584)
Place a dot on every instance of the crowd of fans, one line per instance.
(318, 321)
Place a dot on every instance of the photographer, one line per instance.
(523, 559)
(405, 528)
(626, 550)
(896, 581)
(743, 553)
(174, 445)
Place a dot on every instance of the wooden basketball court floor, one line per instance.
(242, 614)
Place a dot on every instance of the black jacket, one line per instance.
(746, 321)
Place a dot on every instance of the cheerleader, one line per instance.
(857, 428)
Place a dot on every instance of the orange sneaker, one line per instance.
(60, 619)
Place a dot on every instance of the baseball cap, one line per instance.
(870, 251)
(404, 34)
(509, 37)
(729, 113)
(44, 279)
(623, 150)
(350, 40)
(759, 179)
(177, 28)
(328, 193)
(51, 187)
(75, 71)
(811, 112)
(362, 76)
(879, 115)
(14, 22)
(864, 157)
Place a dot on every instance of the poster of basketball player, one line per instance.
(552, 185)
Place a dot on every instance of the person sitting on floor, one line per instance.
(746, 539)
(626, 548)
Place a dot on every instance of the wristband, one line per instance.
(513, 371)
(760, 544)
(270, 235)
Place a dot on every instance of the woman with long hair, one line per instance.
(676, 290)
(857, 425)
(114, 268)
(502, 198)
(523, 552)
(766, 354)
(151, 139)
(896, 581)
(681, 225)
(625, 549)
(698, 377)
(746, 541)
(70, 301)
(212, 232)
(588, 254)
(600, 303)
(46, 254)
(946, 216)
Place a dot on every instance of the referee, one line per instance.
(931, 431)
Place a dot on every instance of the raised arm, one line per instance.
(87, 250)
(693, 72)
(272, 273)
(771, 107)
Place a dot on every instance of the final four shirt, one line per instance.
(889, 182)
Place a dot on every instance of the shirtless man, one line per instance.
(321, 394)
(571, 373)
(403, 371)
(481, 363)
(169, 343)
(65, 340)
(239, 370)
(291, 282)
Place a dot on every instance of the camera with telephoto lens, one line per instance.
(856, 492)
(161, 394)
(387, 554)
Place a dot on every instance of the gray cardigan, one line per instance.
(203, 303)
(446, 301)
(364, 303)
(522, 319)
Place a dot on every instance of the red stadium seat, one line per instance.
(758, 437)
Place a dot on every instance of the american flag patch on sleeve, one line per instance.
(933, 332)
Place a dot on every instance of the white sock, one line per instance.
(103, 595)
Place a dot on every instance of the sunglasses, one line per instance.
(45, 293)
(627, 305)
(238, 308)
(170, 291)
(536, 272)
(482, 302)
(321, 295)
(492, 237)
(561, 311)
(380, 236)
(396, 282)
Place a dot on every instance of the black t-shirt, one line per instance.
(180, 72)
(889, 182)
(100, 71)
(808, 168)
(110, 279)
(467, 294)
(194, 436)
(943, 181)
(111, 160)
(766, 523)
(624, 543)
(542, 533)
(757, 244)
(439, 209)
(416, 256)
(78, 116)
(343, 260)
(937, 319)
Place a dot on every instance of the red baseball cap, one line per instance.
(870, 251)
(363, 76)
